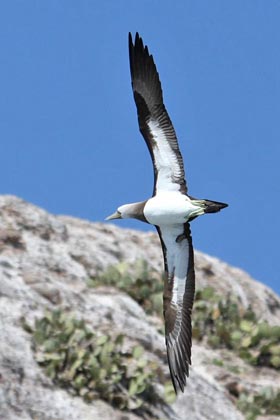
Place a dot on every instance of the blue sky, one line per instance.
(68, 127)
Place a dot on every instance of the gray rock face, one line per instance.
(45, 262)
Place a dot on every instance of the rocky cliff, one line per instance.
(47, 262)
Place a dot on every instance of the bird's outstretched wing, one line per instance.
(179, 289)
(154, 122)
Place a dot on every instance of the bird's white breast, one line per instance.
(168, 207)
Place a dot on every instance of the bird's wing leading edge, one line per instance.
(154, 122)
(179, 289)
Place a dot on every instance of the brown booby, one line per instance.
(170, 209)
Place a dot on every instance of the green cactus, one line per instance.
(94, 365)
(225, 323)
(222, 320)
(145, 286)
(266, 402)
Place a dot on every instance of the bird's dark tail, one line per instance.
(213, 206)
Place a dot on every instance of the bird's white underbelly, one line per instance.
(168, 208)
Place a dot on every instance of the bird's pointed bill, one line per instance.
(116, 215)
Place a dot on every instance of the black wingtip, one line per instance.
(134, 49)
(138, 42)
(179, 364)
(136, 39)
(142, 63)
(131, 53)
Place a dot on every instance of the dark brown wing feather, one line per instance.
(177, 314)
(150, 108)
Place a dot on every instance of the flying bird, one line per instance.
(170, 209)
